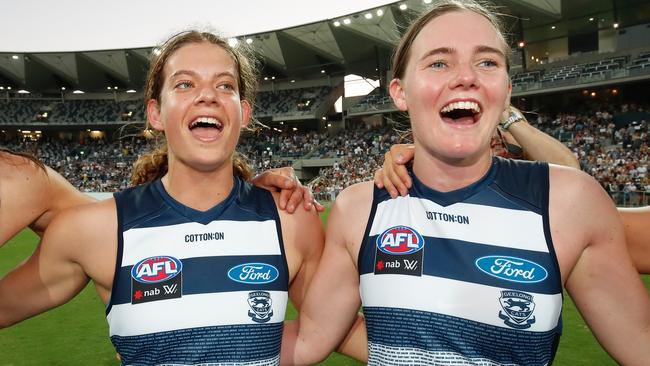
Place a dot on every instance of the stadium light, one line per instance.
(23, 91)
(591, 19)
(2, 88)
(249, 40)
(156, 51)
(232, 42)
(616, 25)
(8, 88)
(63, 88)
(552, 27)
(347, 21)
(322, 71)
(403, 7)
(78, 92)
(293, 80)
(521, 44)
(272, 77)
(15, 57)
(380, 12)
(131, 91)
(368, 15)
(337, 23)
(427, 1)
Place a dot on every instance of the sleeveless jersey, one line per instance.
(463, 277)
(194, 287)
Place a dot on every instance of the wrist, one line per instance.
(514, 117)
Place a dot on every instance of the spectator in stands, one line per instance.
(436, 269)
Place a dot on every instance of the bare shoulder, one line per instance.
(87, 235)
(349, 216)
(355, 199)
(581, 214)
(85, 221)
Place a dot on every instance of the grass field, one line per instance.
(77, 333)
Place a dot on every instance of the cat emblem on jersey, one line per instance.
(517, 309)
(260, 303)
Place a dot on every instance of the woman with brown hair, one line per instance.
(469, 268)
(195, 265)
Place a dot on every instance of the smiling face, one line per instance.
(455, 86)
(200, 109)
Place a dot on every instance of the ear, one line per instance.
(398, 94)
(153, 115)
(246, 110)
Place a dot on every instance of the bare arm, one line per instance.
(541, 147)
(636, 222)
(62, 265)
(599, 274)
(332, 302)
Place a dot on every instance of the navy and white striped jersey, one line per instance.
(463, 277)
(194, 287)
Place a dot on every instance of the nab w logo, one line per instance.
(170, 289)
(156, 269)
(400, 240)
(410, 265)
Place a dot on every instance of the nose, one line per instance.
(207, 94)
(465, 76)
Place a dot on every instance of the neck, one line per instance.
(196, 189)
(445, 175)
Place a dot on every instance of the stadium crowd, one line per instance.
(612, 149)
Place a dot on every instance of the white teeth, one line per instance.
(461, 105)
(208, 120)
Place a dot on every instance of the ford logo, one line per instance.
(400, 240)
(512, 269)
(253, 273)
(156, 269)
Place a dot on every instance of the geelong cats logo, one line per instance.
(517, 309)
(260, 303)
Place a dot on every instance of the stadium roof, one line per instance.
(76, 45)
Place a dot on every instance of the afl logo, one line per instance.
(156, 269)
(512, 269)
(253, 273)
(400, 240)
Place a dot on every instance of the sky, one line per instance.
(88, 25)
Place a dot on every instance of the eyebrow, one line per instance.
(450, 50)
(194, 74)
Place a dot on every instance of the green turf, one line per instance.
(77, 334)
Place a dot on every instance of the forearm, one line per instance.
(539, 146)
(355, 344)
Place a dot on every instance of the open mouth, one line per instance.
(206, 122)
(461, 112)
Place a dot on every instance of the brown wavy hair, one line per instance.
(154, 165)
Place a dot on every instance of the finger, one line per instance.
(318, 206)
(402, 153)
(307, 198)
(294, 199)
(271, 181)
(379, 178)
(285, 194)
(404, 178)
(396, 182)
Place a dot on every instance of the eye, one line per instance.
(438, 64)
(226, 86)
(183, 85)
(488, 63)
